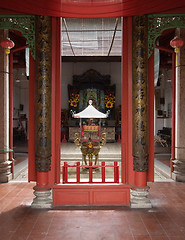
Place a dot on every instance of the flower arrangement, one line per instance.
(109, 100)
(74, 100)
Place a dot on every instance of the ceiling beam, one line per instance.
(114, 34)
(91, 59)
(65, 24)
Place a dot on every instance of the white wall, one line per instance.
(166, 93)
(20, 94)
(21, 89)
(70, 69)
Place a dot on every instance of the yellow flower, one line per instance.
(73, 102)
(109, 104)
(109, 101)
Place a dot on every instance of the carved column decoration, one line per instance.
(140, 98)
(43, 93)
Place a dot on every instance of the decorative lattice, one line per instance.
(23, 23)
(157, 23)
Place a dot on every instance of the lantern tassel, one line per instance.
(7, 51)
(176, 51)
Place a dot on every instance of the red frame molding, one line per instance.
(91, 194)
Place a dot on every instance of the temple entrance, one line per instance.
(91, 71)
(91, 63)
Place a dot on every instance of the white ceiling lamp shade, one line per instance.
(90, 112)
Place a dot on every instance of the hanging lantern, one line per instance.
(7, 45)
(176, 43)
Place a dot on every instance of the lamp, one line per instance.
(7, 45)
(17, 80)
(176, 43)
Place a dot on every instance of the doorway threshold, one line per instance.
(91, 194)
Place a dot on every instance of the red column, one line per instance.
(58, 100)
(43, 112)
(42, 181)
(54, 174)
(141, 179)
(127, 174)
(140, 96)
(31, 122)
(150, 176)
(124, 103)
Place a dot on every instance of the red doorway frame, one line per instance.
(89, 194)
(107, 194)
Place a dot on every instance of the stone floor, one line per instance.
(165, 221)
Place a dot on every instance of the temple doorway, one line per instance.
(164, 72)
(91, 70)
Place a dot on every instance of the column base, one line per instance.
(178, 177)
(5, 178)
(5, 171)
(139, 198)
(42, 200)
(179, 170)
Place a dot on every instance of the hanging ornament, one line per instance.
(176, 43)
(7, 45)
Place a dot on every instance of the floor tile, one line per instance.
(166, 220)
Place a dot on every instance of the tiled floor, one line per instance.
(166, 220)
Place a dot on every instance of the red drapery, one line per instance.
(90, 8)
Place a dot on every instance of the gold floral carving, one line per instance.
(43, 93)
(140, 98)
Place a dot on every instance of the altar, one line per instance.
(90, 123)
(109, 130)
(96, 87)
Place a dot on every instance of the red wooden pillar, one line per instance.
(140, 179)
(31, 123)
(54, 174)
(58, 98)
(43, 107)
(127, 174)
(150, 176)
(48, 125)
(140, 136)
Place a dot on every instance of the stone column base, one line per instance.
(139, 198)
(179, 170)
(5, 171)
(43, 199)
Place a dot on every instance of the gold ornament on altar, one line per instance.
(74, 100)
(109, 100)
(90, 146)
